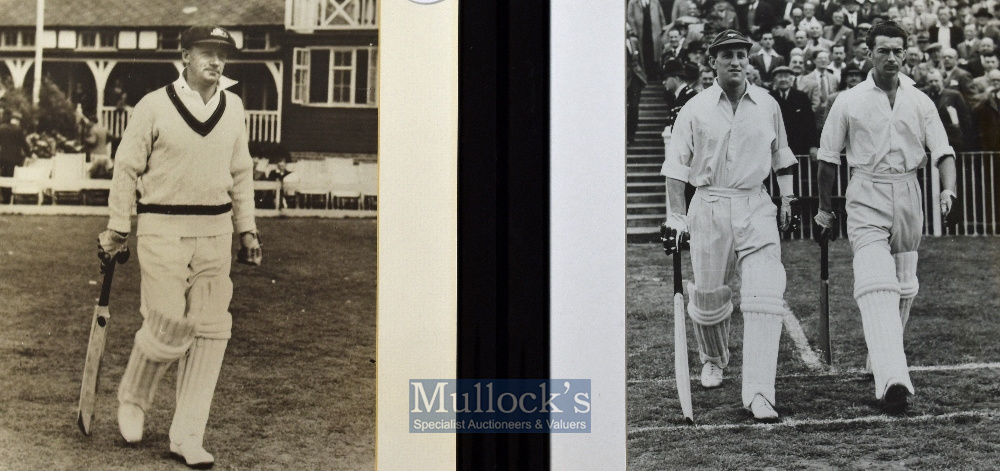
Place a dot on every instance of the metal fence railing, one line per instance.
(975, 211)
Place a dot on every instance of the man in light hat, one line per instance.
(725, 142)
(188, 142)
(796, 112)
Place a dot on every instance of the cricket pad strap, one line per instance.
(906, 272)
(762, 301)
(710, 307)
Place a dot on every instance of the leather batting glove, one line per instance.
(112, 245)
(825, 221)
(250, 249)
(674, 233)
(789, 222)
(947, 201)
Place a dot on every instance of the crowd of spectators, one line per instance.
(817, 47)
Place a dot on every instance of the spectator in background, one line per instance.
(13, 148)
(838, 58)
(647, 21)
(932, 55)
(706, 77)
(860, 59)
(982, 85)
(635, 82)
(825, 10)
(975, 65)
(944, 32)
(987, 115)
(849, 77)
(825, 82)
(969, 47)
(954, 112)
(796, 113)
(674, 47)
(983, 27)
(695, 53)
(914, 68)
(816, 39)
(767, 59)
(724, 16)
(783, 39)
(840, 34)
(852, 17)
(810, 88)
(955, 78)
(809, 20)
(757, 16)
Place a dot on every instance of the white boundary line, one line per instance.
(852, 371)
(790, 423)
(808, 355)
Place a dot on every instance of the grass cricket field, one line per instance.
(830, 419)
(297, 389)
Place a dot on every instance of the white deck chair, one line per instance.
(69, 177)
(345, 188)
(29, 182)
(312, 184)
(368, 179)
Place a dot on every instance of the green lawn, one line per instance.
(297, 389)
(952, 421)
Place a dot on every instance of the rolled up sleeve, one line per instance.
(834, 136)
(677, 161)
(781, 154)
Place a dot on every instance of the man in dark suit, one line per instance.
(945, 32)
(767, 59)
(954, 113)
(987, 114)
(756, 16)
(983, 27)
(954, 76)
(12, 149)
(677, 81)
(796, 112)
(635, 82)
(825, 9)
(975, 65)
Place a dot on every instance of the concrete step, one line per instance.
(647, 187)
(636, 150)
(643, 235)
(644, 178)
(648, 167)
(646, 198)
(645, 159)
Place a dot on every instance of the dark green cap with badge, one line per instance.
(207, 34)
(728, 39)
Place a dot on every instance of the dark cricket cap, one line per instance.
(727, 39)
(851, 68)
(673, 68)
(202, 34)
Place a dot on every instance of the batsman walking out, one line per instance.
(885, 123)
(725, 142)
(185, 151)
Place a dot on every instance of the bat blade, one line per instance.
(681, 370)
(92, 368)
(95, 352)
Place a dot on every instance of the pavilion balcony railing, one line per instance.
(307, 16)
(262, 125)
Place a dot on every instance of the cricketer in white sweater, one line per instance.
(184, 156)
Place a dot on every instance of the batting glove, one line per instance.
(674, 233)
(250, 251)
(789, 221)
(947, 201)
(112, 246)
(825, 221)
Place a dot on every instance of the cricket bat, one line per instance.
(95, 351)
(681, 368)
(824, 300)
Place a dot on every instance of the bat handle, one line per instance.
(109, 273)
(824, 258)
(678, 283)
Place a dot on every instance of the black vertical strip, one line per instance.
(503, 212)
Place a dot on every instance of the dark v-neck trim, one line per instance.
(198, 126)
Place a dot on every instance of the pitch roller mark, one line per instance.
(848, 372)
(791, 423)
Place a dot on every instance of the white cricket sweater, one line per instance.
(170, 163)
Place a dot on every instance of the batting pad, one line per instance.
(906, 272)
(208, 306)
(709, 307)
(761, 337)
(713, 342)
(877, 292)
(197, 374)
(159, 342)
